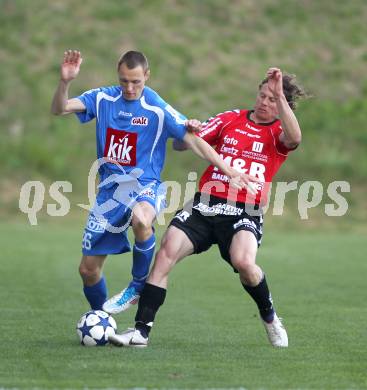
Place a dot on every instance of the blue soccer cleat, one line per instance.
(122, 301)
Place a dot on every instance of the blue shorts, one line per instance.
(106, 228)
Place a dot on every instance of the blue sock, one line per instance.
(96, 294)
(142, 257)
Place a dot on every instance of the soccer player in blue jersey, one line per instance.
(133, 124)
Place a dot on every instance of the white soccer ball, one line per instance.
(94, 328)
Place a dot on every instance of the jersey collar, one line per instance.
(249, 112)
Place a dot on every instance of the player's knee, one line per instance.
(250, 273)
(88, 271)
(250, 277)
(245, 264)
(141, 223)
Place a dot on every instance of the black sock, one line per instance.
(261, 295)
(151, 298)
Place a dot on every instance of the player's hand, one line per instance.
(236, 182)
(193, 125)
(242, 180)
(275, 82)
(70, 66)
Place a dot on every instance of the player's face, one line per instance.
(265, 109)
(132, 81)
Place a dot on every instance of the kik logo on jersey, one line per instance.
(120, 147)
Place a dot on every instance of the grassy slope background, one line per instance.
(205, 57)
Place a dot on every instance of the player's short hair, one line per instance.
(132, 59)
(292, 90)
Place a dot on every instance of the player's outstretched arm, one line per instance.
(192, 126)
(291, 135)
(205, 151)
(69, 70)
(179, 145)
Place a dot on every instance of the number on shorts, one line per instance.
(86, 244)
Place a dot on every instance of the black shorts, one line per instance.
(211, 220)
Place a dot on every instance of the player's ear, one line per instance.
(147, 74)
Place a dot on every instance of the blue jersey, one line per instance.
(131, 133)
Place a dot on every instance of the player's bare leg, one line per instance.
(95, 290)
(243, 257)
(143, 215)
(142, 220)
(174, 247)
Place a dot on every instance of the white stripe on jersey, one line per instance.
(236, 110)
(213, 122)
(160, 114)
(210, 126)
(210, 121)
(102, 95)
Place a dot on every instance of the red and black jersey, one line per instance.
(249, 147)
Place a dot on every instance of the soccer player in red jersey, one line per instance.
(256, 143)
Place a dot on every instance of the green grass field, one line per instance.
(207, 335)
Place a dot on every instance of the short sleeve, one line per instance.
(174, 122)
(280, 147)
(88, 98)
(213, 126)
